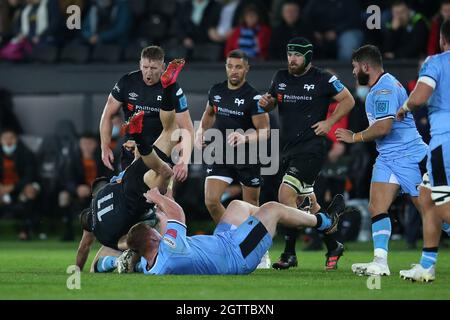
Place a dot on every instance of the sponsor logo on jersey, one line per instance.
(257, 97)
(179, 92)
(217, 98)
(282, 86)
(291, 98)
(279, 97)
(116, 87)
(332, 79)
(309, 87)
(132, 95)
(383, 92)
(227, 112)
(130, 107)
(169, 242)
(254, 181)
(239, 101)
(159, 98)
(147, 108)
(209, 170)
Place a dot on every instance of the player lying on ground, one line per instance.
(239, 241)
(118, 205)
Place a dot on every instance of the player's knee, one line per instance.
(271, 207)
(235, 204)
(374, 209)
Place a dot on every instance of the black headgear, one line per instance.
(303, 46)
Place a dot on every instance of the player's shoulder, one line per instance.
(386, 84)
(281, 75)
(218, 87)
(131, 76)
(438, 58)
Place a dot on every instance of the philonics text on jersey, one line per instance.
(293, 98)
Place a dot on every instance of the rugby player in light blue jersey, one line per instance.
(433, 89)
(402, 153)
(241, 238)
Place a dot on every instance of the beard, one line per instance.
(296, 69)
(363, 78)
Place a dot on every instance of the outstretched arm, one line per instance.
(84, 247)
(172, 209)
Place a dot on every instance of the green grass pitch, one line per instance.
(37, 270)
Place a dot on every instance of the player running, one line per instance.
(402, 152)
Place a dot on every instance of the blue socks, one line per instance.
(106, 264)
(381, 232)
(323, 221)
(429, 257)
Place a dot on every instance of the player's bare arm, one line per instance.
(207, 121)
(112, 107)
(267, 102)
(262, 125)
(84, 247)
(170, 208)
(377, 130)
(418, 97)
(346, 102)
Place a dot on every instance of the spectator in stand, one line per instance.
(81, 174)
(438, 19)
(225, 25)
(337, 25)
(406, 34)
(107, 21)
(39, 23)
(194, 20)
(9, 18)
(18, 187)
(252, 36)
(292, 25)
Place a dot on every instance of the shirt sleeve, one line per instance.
(179, 100)
(273, 84)
(118, 91)
(332, 85)
(385, 104)
(174, 240)
(211, 97)
(430, 69)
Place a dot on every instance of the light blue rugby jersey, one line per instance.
(437, 67)
(179, 254)
(385, 97)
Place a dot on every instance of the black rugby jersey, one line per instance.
(114, 214)
(234, 108)
(302, 102)
(136, 96)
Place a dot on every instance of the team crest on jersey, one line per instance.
(382, 107)
(282, 86)
(159, 98)
(132, 95)
(308, 87)
(217, 98)
(239, 101)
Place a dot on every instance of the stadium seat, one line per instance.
(106, 53)
(45, 54)
(75, 53)
(209, 52)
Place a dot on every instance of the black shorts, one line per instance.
(127, 157)
(305, 161)
(249, 176)
(133, 181)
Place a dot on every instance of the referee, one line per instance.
(303, 93)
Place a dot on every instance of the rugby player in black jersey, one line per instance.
(142, 90)
(232, 105)
(303, 93)
(118, 204)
